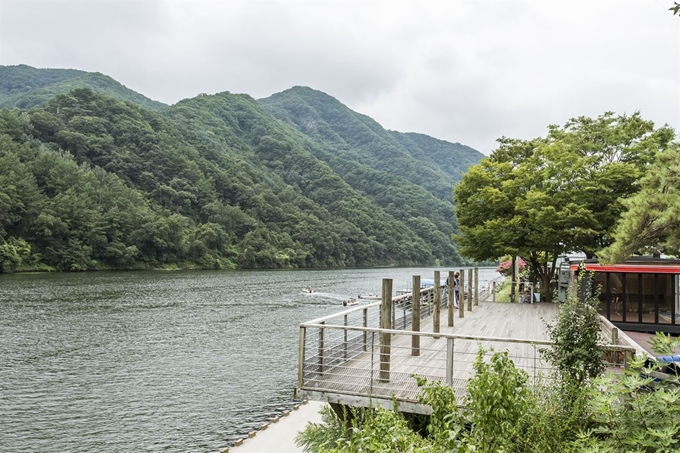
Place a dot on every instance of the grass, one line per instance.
(503, 291)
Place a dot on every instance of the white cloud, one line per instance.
(466, 71)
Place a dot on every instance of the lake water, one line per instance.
(158, 361)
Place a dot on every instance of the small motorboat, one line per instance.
(350, 302)
(307, 290)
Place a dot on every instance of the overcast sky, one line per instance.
(463, 71)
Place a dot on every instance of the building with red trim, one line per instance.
(642, 294)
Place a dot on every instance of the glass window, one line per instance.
(665, 297)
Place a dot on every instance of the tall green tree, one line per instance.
(651, 222)
(542, 198)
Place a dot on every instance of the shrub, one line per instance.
(577, 351)
(497, 399)
(626, 415)
(326, 434)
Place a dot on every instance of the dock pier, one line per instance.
(368, 356)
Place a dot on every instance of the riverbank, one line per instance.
(279, 436)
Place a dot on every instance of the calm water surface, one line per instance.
(157, 361)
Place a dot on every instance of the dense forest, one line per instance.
(96, 176)
(24, 87)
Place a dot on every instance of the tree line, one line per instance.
(89, 181)
(600, 186)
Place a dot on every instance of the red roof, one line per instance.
(632, 268)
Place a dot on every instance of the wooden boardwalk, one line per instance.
(345, 362)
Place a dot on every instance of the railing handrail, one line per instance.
(341, 313)
(614, 347)
(398, 298)
(426, 334)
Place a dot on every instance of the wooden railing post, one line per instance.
(449, 362)
(461, 294)
(415, 325)
(301, 357)
(322, 333)
(365, 325)
(470, 290)
(615, 340)
(385, 323)
(437, 301)
(493, 291)
(345, 337)
(393, 310)
(476, 286)
(451, 299)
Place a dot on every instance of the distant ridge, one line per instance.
(452, 158)
(435, 165)
(25, 86)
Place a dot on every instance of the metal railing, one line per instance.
(349, 354)
(341, 342)
(363, 366)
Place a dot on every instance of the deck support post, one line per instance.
(393, 310)
(365, 325)
(344, 412)
(476, 286)
(301, 357)
(385, 323)
(470, 291)
(513, 284)
(345, 337)
(437, 302)
(322, 332)
(451, 298)
(449, 361)
(415, 325)
(461, 295)
(534, 345)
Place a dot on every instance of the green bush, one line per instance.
(361, 430)
(577, 351)
(326, 434)
(497, 399)
(631, 414)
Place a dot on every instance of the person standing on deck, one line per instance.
(456, 289)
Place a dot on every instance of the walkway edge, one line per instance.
(279, 436)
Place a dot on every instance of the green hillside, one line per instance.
(358, 138)
(88, 181)
(452, 158)
(410, 178)
(24, 86)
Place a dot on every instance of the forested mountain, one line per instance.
(24, 86)
(353, 137)
(92, 182)
(411, 176)
(452, 158)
